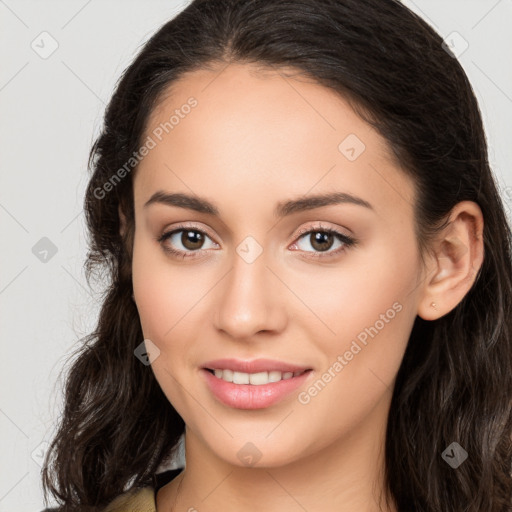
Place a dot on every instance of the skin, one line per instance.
(256, 139)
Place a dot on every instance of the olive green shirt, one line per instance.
(142, 499)
(139, 500)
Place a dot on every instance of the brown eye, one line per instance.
(185, 242)
(321, 240)
(191, 239)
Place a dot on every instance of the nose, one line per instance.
(250, 299)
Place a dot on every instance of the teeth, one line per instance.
(274, 376)
(240, 378)
(256, 379)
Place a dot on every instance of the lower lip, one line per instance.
(249, 396)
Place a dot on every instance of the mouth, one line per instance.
(256, 384)
(256, 378)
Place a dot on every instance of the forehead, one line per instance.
(255, 132)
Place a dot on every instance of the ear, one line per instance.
(122, 221)
(456, 257)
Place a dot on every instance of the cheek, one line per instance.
(169, 300)
(162, 298)
(360, 361)
(363, 287)
(156, 294)
(366, 314)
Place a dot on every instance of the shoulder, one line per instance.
(142, 499)
(135, 500)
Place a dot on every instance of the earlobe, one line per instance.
(457, 257)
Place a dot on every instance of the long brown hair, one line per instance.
(455, 381)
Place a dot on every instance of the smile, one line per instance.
(240, 390)
(256, 379)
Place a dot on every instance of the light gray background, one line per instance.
(51, 111)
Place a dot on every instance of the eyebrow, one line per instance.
(284, 208)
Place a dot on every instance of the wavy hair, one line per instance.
(455, 380)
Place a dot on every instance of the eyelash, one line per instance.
(347, 241)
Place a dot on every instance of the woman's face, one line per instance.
(259, 277)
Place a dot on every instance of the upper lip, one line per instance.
(253, 366)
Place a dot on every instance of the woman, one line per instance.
(309, 269)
